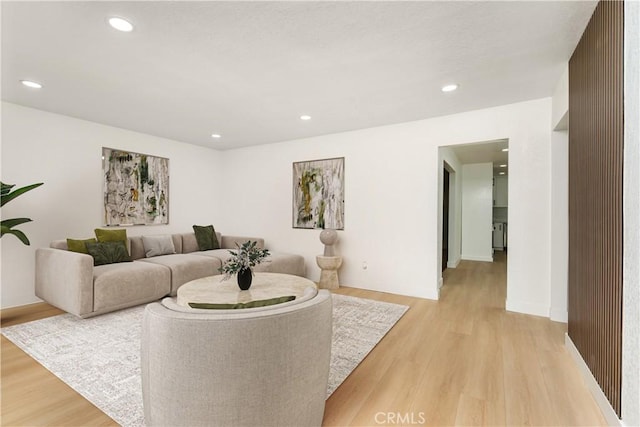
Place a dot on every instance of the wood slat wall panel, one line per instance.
(596, 137)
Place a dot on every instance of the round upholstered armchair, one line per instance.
(265, 366)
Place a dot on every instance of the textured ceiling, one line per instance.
(248, 70)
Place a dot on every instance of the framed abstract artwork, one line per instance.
(318, 194)
(135, 188)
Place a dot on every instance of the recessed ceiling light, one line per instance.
(449, 88)
(121, 24)
(501, 173)
(505, 149)
(29, 83)
(216, 135)
(305, 117)
(503, 166)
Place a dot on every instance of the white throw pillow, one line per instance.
(158, 245)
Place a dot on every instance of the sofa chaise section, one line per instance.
(276, 262)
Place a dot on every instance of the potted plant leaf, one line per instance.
(8, 225)
(246, 257)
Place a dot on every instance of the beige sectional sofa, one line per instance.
(70, 281)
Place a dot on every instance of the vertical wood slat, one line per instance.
(596, 138)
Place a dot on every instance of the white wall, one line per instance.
(631, 219)
(392, 199)
(560, 101)
(477, 212)
(559, 239)
(65, 154)
(391, 194)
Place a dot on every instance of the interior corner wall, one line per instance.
(391, 199)
(631, 219)
(65, 153)
(477, 212)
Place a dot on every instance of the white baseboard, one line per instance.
(603, 403)
(527, 308)
(453, 264)
(477, 258)
(440, 283)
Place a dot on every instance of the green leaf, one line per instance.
(9, 196)
(13, 222)
(19, 234)
(5, 188)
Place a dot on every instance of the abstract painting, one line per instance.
(136, 188)
(318, 194)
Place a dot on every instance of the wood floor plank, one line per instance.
(462, 360)
(471, 411)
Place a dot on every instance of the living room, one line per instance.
(392, 181)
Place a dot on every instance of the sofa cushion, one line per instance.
(280, 262)
(133, 283)
(158, 245)
(233, 242)
(108, 252)
(186, 267)
(276, 262)
(222, 254)
(79, 246)
(206, 237)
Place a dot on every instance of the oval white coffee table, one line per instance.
(214, 290)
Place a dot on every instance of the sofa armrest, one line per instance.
(229, 242)
(65, 279)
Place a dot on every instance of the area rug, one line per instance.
(100, 357)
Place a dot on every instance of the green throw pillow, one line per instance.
(206, 237)
(112, 236)
(80, 246)
(250, 304)
(108, 252)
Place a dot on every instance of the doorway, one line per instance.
(469, 207)
(446, 180)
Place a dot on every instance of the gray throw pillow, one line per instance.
(158, 245)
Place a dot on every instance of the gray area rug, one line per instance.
(100, 357)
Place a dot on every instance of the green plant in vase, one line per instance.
(7, 225)
(243, 260)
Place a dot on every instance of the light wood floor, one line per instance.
(460, 361)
